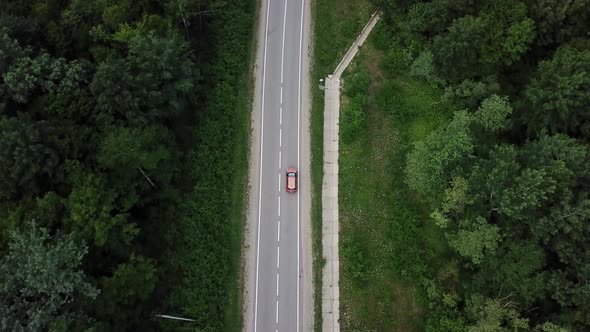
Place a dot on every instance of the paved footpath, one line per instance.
(330, 226)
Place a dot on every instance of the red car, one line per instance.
(291, 179)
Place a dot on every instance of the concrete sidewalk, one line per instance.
(330, 278)
(330, 226)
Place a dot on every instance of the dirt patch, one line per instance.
(383, 138)
(407, 309)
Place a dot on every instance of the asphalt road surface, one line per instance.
(277, 304)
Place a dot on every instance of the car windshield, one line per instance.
(290, 174)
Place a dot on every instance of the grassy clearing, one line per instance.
(387, 244)
(335, 25)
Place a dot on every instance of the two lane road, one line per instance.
(277, 304)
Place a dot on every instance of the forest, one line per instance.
(119, 157)
(507, 178)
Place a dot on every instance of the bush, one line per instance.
(471, 93)
(354, 259)
(353, 118)
(358, 83)
(397, 58)
(423, 67)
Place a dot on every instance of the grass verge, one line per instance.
(335, 25)
(387, 244)
(245, 94)
(213, 213)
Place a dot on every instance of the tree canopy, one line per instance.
(506, 179)
(40, 276)
(103, 107)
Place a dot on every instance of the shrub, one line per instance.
(355, 259)
(353, 118)
(471, 93)
(358, 83)
(423, 67)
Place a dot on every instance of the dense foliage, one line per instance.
(507, 179)
(116, 152)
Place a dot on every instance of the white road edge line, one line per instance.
(298, 148)
(260, 174)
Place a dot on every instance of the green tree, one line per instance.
(513, 189)
(471, 93)
(549, 327)
(517, 268)
(133, 151)
(164, 68)
(186, 11)
(132, 283)
(96, 210)
(509, 31)
(559, 95)
(113, 90)
(24, 29)
(39, 276)
(434, 17)
(153, 82)
(493, 114)
(571, 293)
(28, 75)
(25, 156)
(67, 33)
(428, 17)
(529, 208)
(10, 51)
(432, 161)
(458, 53)
(494, 315)
(423, 67)
(478, 45)
(474, 239)
(557, 21)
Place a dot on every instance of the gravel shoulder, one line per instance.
(305, 165)
(249, 241)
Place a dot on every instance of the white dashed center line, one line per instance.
(277, 285)
(277, 316)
